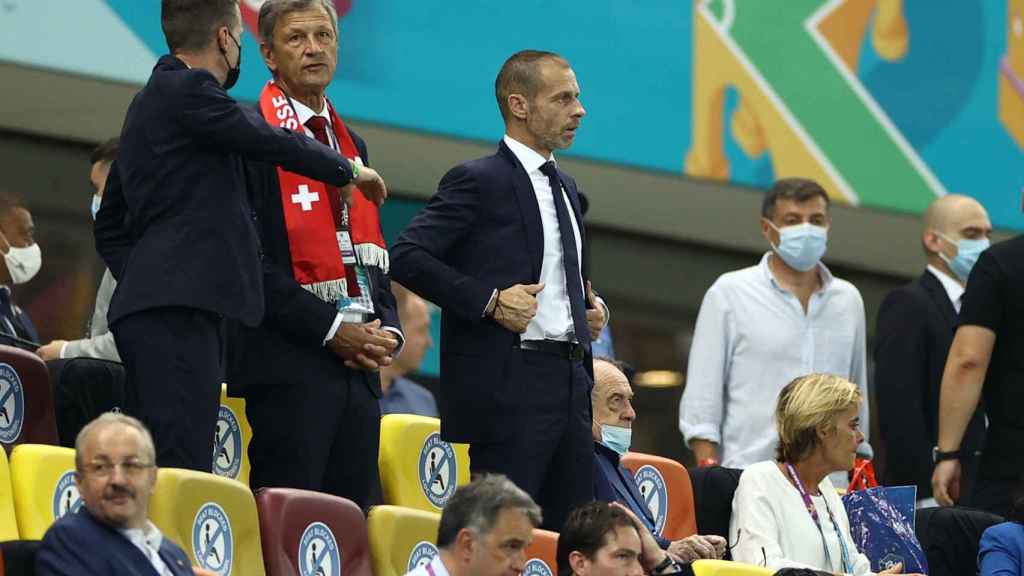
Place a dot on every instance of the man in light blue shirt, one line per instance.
(400, 395)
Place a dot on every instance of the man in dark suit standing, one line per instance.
(498, 248)
(175, 226)
(915, 329)
(315, 421)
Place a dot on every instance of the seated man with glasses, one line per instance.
(111, 534)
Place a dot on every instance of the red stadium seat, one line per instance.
(666, 486)
(26, 403)
(542, 554)
(302, 531)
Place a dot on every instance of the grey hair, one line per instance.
(272, 10)
(476, 506)
(109, 419)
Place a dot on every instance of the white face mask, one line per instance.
(24, 263)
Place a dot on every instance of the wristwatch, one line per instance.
(939, 456)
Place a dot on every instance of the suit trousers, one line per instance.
(317, 430)
(173, 360)
(549, 449)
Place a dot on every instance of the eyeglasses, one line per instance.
(103, 469)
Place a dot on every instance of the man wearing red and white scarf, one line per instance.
(309, 372)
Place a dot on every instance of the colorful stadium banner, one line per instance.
(888, 102)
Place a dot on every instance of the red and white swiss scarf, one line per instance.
(312, 239)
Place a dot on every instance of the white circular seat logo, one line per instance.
(421, 555)
(318, 552)
(12, 404)
(66, 499)
(227, 445)
(212, 540)
(655, 495)
(438, 470)
(537, 567)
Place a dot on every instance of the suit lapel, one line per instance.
(528, 207)
(940, 297)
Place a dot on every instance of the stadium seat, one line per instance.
(417, 468)
(727, 568)
(401, 539)
(8, 521)
(18, 557)
(26, 401)
(303, 532)
(666, 486)
(43, 485)
(214, 519)
(542, 554)
(231, 446)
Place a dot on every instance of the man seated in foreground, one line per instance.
(485, 529)
(115, 475)
(613, 414)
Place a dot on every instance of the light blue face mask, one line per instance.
(801, 246)
(96, 201)
(617, 438)
(967, 253)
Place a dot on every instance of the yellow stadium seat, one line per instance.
(401, 539)
(726, 568)
(417, 468)
(43, 485)
(231, 446)
(8, 521)
(214, 519)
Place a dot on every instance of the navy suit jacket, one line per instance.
(613, 483)
(79, 545)
(23, 327)
(481, 231)
(296, 321)
(915, 329)
(175, 227)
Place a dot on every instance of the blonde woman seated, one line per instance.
(787, 514)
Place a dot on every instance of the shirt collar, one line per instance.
(823, 272)
(527, 156)
(438, 565)
(150, 536)
(305, 112)
(953, 288)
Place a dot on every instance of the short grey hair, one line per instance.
(476, 506)
(110, 419)
(274, 9)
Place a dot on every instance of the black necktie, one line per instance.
(570, 256)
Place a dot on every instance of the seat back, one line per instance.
(18, 557)
(417, 468)
(307, 532)
(8, 520)
(231, 445)
(43, 484)
(401, 539)
(727, 568)
(542, 554)
(26, 402)
(666, 487)
(213, 519)
(713, 489)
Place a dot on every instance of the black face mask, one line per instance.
(233, 73)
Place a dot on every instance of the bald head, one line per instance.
(951, 218)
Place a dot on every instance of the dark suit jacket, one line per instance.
(175, 227)
(613, 483)
(296, 321)
(79, 545)
(481, 231)
(23, 327)
(915, 329)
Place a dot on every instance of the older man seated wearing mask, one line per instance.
(786, 513)
(613, 414)
(111, 534)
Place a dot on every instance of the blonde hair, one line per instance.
(807, 404)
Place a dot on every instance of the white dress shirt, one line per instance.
(436, 566)
(554, 315)
(953, 288)
(771, 527)
(751, 339)
(148, 541)
(305, 113)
